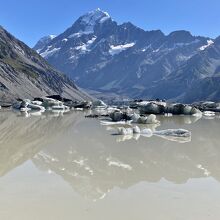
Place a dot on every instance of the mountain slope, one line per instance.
(197, 79)
(101, 55)
(25, 74)
(43, 41)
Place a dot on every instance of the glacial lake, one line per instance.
(61, 167)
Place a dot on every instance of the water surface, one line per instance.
(69, 167)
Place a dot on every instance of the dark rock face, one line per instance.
(25, 74)
(101, 55)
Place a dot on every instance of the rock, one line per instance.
(98, 103)
(119, 116)
(176, 109)
(187, 110)
(135, 117)
(142, 120)
(152, 108)
(36, 107)
(208, 106)
(83, 104)
(25, 103)
(116, 116)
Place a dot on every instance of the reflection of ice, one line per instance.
(57, 142)
(181, 119)
(127, 137)
(208, 117)
(176, 139)
(21, 139)
(191, 119)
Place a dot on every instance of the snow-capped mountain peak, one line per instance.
(100, 54)
(92, 17)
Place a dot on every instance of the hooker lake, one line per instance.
(65, 166)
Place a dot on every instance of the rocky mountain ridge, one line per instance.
(25, 74)
(100, 54)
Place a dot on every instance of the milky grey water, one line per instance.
(69, 167)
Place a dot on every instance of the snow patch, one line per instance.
(86, 46)
(119, 48)
(209, 42)
(52, 36)
(49, 51)
(80, 33)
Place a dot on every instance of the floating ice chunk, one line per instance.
(115, 123)
(125, 131)
(208, 113)
(174, 132)
(147, 132)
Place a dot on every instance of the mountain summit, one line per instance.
(101, 55)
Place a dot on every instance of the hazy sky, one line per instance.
(29, 20)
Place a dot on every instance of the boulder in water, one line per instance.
(152, 108)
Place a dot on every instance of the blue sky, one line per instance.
(29, 20)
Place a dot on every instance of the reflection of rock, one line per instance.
(93, 164)
(180, 119)
(21, 138)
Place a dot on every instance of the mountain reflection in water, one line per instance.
(90, 159)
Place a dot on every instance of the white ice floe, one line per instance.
(125, 131)
(173, 132)
(178, 135)
(208, 113)
(119, 48)
(116, 123)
